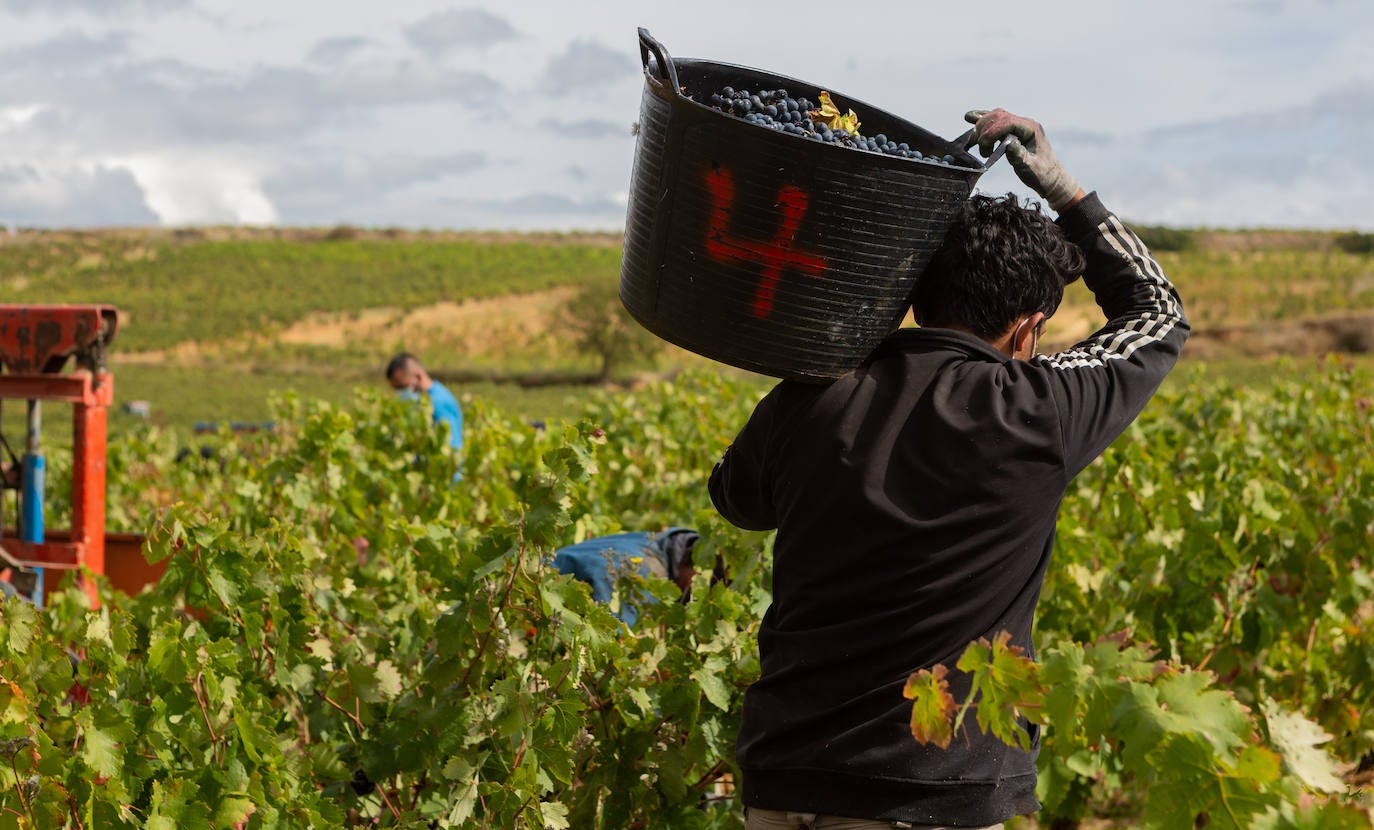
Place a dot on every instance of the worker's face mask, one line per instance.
(405, 381)
(1036, 331)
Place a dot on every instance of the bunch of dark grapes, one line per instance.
(776, 110)
(361, 784)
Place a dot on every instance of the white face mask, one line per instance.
(1035, 337)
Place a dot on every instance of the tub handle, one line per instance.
(966, 141)
(662, 59)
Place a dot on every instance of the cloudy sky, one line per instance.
(426, 113)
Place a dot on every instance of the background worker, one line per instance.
(406, 375)
(667, 555)
(915, 500)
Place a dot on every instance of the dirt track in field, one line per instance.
(486, 327)
(475, 326)
(1345, 333)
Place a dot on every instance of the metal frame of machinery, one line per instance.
(36, 344)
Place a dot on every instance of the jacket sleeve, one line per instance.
(1102, 383)
(740, 485)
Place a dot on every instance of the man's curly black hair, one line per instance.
(1000, 261)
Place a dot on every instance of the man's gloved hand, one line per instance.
(1029, 152)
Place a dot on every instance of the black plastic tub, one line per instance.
(770, 251)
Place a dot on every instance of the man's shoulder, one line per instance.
(439, 393)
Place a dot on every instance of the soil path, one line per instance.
(474, 327)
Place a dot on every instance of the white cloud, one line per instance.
(541, 209)
(332, 50)
(444, 32)
(146, 104)
(78, 196)
(185, 188)
(15, 117)
(586, 63)
(106, 8)
(585, 128)
(336, 187)
(71, 50)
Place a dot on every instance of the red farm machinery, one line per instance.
(37, 344)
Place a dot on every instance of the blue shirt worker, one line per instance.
(667, 555)
(406, 375)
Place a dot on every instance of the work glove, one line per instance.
(1028, 151)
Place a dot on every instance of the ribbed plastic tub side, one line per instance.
(805, 299)
(639, 283)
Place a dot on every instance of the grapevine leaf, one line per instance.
(850, 122)
(1192, 779)
(641, 699)
(555, 815)
(672, 774)
(1065, 678)
(1259, 765)
(243, 722)
(830, 115)
(464, 793)
(1083, 763)
(14, 705)
(1135, 718)
(1255, 498)
(932, 708)
(20, 619)
(223, 584)
(234, 812)
(300, 677)
(713, 687)
(457, 769)
(174, 805)
(100, 751)
(364, 682)
(388, 679)
(165, 654)
(1191, 706)
(1006, 682)
(322, 649)
(1330, 815)
(1299, 740)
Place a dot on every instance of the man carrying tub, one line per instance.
(916, 497)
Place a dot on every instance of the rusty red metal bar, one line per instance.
(36, 343)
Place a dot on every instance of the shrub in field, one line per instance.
(602, 329)
(1355, 242)
(1162, 238)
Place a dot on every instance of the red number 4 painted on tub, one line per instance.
(776, 255)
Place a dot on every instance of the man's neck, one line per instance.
(1001, 344)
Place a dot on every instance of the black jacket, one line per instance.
(915, 501)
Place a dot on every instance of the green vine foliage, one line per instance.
(345, 634)
(348, 636)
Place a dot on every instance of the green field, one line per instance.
(176, 290)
